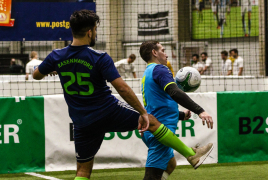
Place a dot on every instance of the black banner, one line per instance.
(153, 24)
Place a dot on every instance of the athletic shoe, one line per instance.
(200, 156)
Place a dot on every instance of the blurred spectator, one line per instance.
(15, 68)
(226, 64)
(231, 57)
(207, 64)
(196, 64)
(170, 67)
(32, 65)
(238, 63)
(125, 67)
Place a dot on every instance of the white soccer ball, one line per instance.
(188, 79)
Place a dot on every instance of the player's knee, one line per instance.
(171, 165)
(153, 122)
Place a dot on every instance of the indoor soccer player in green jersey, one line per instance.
(83, 73)
(161, 97)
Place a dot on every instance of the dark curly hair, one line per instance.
(82, 21)
(195, 55)
(146, 49)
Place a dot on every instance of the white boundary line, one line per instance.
(42, 176)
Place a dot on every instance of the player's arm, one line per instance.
(207, 65)
(240, 71)
(200, 70)
(128, 95)
(117, 64)
(106, 66)
(45, 68)
(133, 69)
(37, 75)
(184, 115)
(184, 100)
(108, 70)
(205, 68)
(27, 72)
(240, 65)
(27, 76)
(163, 77)
(134, 74)
(229, 67)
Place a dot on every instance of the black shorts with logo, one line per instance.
(88, 139)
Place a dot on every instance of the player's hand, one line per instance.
(187, 114)
(143, 123)
(53, 73)
(206, 117)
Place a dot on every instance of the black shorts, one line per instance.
(88, 139)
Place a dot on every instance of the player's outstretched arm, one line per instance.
(184, 115)
(37, 75)
(183, 99)
(129, 96)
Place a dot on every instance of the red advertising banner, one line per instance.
(5, 13)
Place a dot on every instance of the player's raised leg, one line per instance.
(195, 155)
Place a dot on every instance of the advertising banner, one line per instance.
(153, 24)
(22, 134)
(119, 150)
(60, 152)
(242, 126)
(41, 21)
(5, 13)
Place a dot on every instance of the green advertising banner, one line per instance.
(22, 134)
(242, 126)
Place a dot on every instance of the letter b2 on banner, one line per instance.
(242, 129)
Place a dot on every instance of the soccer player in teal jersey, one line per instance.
(83, 74)
(161, 97)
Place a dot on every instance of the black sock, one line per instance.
(243, 23)
(217, 17)
(249, 25)
(221, 22)
(153, 173)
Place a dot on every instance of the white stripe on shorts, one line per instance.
(127, 106)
